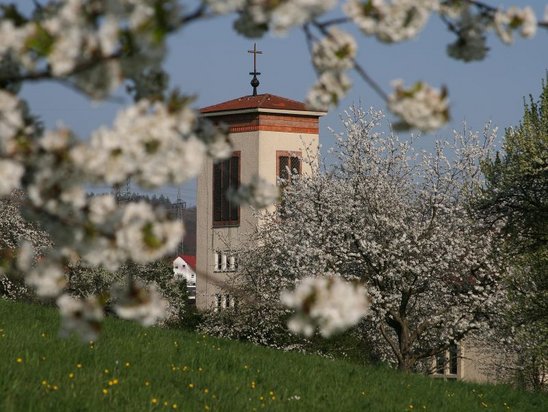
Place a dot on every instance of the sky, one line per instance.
(210, 60)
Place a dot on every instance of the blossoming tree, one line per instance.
(95, 46)
(13, 229)
(399, 222)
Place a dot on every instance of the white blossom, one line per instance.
(108, 36)
(219, 146)
(420, 106)
(101, 207)
(225, 6)
(453, 9)
(393, 21)
(11, 122)
(11, 173)
(331, 303)
(290, 13)
(329, 89)
(81, 316)
(512, 19)
(336, 51)
(142, 304)
(47, 279)
(13, 40)
(471, 42)
(258, 193)
(147, 142)
(101, 251)
(143, 237)
(55, 140)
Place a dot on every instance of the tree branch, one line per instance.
(357, 67)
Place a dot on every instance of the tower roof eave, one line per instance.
(266, 102)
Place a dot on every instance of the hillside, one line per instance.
(136, 369)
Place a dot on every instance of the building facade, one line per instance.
(271, 136)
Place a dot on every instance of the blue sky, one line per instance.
(210, 60)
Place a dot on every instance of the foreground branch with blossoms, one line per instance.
(97, 46)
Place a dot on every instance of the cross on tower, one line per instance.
(255, 73)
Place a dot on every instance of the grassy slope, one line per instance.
(156, 369)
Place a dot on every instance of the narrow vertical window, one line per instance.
(440, 364)
(223, 260)
(217, 262)
(232, 263)
(453, 359)
(226, 175)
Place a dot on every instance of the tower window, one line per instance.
(226, 175)
(288, 163)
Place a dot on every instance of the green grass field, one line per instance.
(135, 369)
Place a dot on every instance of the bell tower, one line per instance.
(270, 136)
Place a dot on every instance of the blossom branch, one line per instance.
(47, 73)
(357, 67)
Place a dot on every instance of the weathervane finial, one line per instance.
(255, 73)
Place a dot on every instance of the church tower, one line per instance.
(270, 136)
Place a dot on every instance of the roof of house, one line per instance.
(260, 101)
(190, 260)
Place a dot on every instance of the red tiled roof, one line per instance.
(190, 260)
(263, 101)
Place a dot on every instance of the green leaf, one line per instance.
(41, 42)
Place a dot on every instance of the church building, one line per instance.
(271, 136)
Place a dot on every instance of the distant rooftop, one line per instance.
(260, 101)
